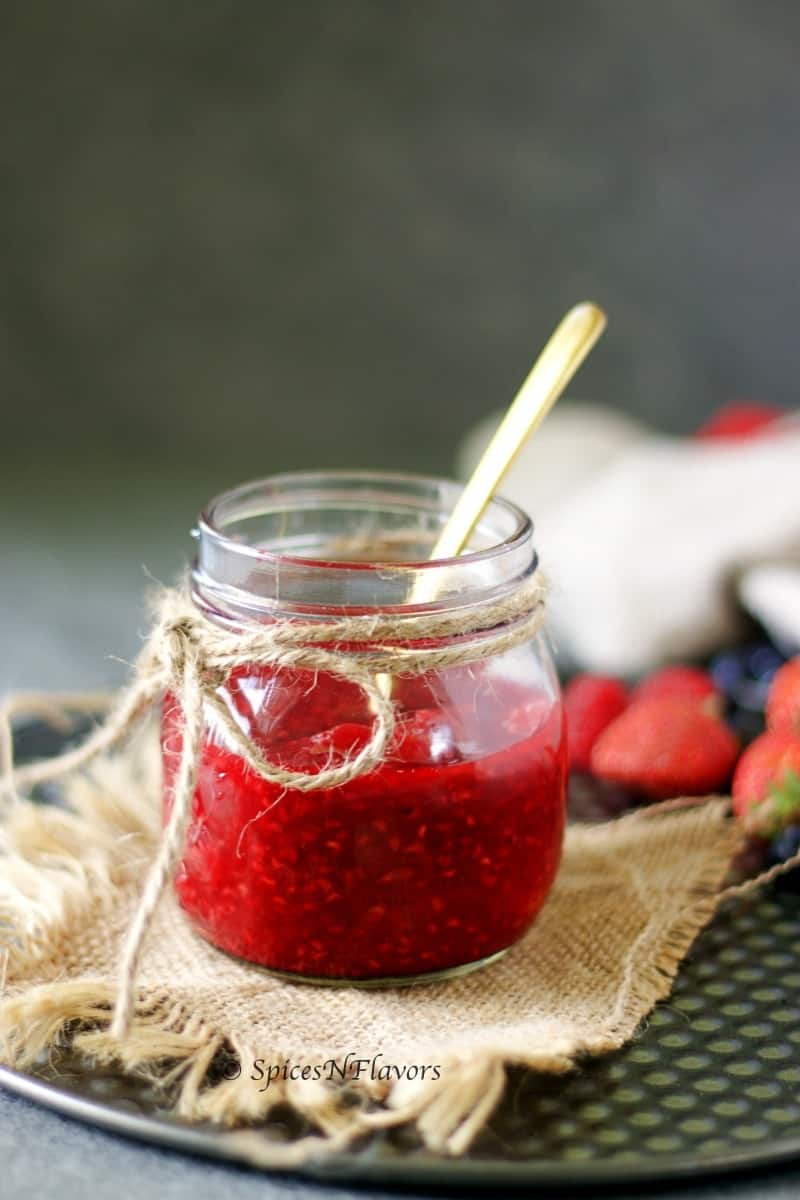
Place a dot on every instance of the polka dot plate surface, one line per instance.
(711, 1083)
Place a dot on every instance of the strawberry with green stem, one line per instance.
(766, 784)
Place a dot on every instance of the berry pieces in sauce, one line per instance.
(441, 856)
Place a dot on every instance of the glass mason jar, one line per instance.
(438, 859)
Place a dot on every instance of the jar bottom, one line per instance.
(384, 981)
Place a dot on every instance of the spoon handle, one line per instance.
(554, 368)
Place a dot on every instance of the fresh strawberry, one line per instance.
(783, 698)
(766, 784)
(681, 682)
(666, 746)
(591, 702)
(739, 420)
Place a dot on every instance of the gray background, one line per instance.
(241, 236)
(247, 236)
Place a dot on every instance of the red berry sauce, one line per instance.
(440, 857)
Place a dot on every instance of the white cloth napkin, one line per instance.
(645, 537)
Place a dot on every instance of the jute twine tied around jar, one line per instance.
(83, 885)
(191, 656)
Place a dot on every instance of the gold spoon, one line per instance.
(568, 346)
(554, 368)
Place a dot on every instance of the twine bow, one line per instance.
(191, 656)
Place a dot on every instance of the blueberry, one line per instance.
(745, 723)
(750, 694)
(763, 661)
(783, 846)
(743, 674)
(755, 663)
(727, 669)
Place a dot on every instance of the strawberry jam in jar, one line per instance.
(437, 859)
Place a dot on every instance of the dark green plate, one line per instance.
(711, 1084)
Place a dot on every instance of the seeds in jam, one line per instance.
(441, 856)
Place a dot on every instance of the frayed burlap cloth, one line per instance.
(629, 899)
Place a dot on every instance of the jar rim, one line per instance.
(208, 525)
(254, 541)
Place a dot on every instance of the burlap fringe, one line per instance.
(47, 879)
(190, 655)
(46, 883)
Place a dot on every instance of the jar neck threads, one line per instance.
(328, 544)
